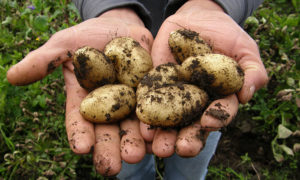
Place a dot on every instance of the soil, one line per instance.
(192, 35)
(53, 64)
(238, 139)
(219, 114)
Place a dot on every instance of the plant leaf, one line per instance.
(296, 147)
(278, 157)
(290, 81)
(286, 149)
(41, 23)
(283, 132)
(296, 133)
(7, 20)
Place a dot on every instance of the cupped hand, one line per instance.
(226, 37)
(84, 136)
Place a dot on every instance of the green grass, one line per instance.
(33, 142)
(274, 110)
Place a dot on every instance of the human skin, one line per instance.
(104, 140)
(226, 37)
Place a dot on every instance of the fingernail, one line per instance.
(250, 93)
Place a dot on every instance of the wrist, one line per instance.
(207, 5)
(124, 14)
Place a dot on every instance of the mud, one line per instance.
(53, 64)
(219, 114)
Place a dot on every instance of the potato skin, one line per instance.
(130, 59)
(109, 103)
(215, 73)
(92, 68)
(185, 43)
(171, 106)
(160, 76)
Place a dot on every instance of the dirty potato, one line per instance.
(109, 103)
(92, 68)
(186, 43)
(162, 75)
(170, 106)
(216, 73)
(130, 59)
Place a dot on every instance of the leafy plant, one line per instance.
(274, 110)
(33, 142)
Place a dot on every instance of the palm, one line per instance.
(225, 37)
(82, 135)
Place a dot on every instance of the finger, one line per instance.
(107, 157)
(190, 140)
(164, 142)
(161, 53)
(255, 78)
(143, 37)
(95, 33)
(147, 132)
(220, 113)
(225, 36)
(233, 41)
(149, 148)
(80, 132)
(43, 60)
(133, 148)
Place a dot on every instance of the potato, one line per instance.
(166, 96)
(170, 106)
(216, 73)
(186, 43)
(162, 75)
(92, 68)
(109, 103)
(131, 60)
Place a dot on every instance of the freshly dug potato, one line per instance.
(166, 96)
(109, 103)
(131, 60)
(92, 68)
(170, 106)
(186, 43)
(215, 73)
(160, 76)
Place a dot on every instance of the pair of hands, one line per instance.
(202, 16)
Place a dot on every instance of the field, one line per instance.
(263, 141)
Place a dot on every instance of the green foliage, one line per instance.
(274, 110)
(277, 34)
(33, 142)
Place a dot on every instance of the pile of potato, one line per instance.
(111, 76)
(168, 95)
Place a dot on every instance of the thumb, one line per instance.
(42, 61)
(161, 53)
(255, 78)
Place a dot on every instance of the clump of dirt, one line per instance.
(240, 71)
(149, 80)
(53, 64)
(122, 133)
(192, 35)
(219, 114)
(83, 70)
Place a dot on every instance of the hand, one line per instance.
(226, 37)
(82, 135)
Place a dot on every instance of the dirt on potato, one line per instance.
(192, 35)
